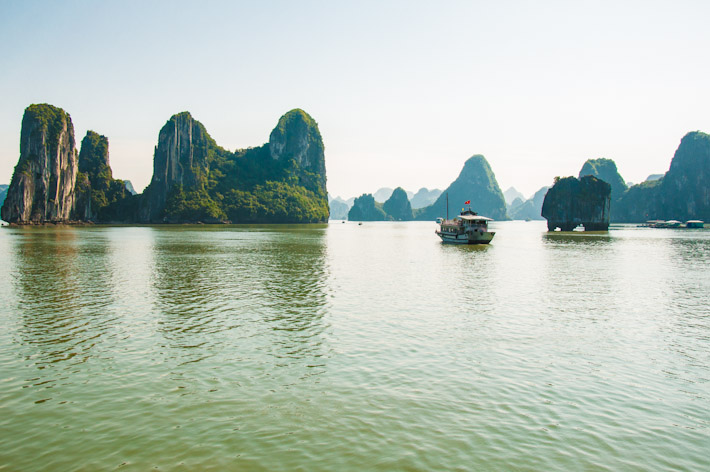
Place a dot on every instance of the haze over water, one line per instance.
(346, 347)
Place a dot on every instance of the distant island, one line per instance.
(521, 209)
(423, 197)
(194, 179)
(3, 193)
(476, 183)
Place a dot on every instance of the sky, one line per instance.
(403, 91)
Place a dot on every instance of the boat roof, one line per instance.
(694, 221)
(474, 218)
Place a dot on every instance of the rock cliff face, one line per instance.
(195, 180)
(683, 193)
(180, 158)
(297, 138)
(605, 169)
(96, 189)
(685, 190)
(639, 203)
(572, 202)
(397, 207)
(93, 156)
(42, 186)
(476, 183)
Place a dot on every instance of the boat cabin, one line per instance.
(467, 221)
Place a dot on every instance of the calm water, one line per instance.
(346, 347)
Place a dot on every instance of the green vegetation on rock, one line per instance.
(681, 194)
(49, 120)
(96, 178)
(42, 185)
(365, 208)
(195, 180)
(397, 207)
(476, 183)
(605, 169)
(639, 203)
(572, 202)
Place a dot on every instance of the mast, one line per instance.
(447, 205)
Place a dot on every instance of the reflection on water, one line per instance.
(353, 347)
(577, 237)
(239, 312)
(224, 288)
(64, 294)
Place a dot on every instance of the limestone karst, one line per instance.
(572, 202)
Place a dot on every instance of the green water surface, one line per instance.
(343, 347)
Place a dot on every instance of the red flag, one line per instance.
(467, 202)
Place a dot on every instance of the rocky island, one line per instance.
(365, 208)
(572, 202)
(42, 185)
(98, 194)
(476, 183)
(682, 193)
(396, 208)
(194, 179)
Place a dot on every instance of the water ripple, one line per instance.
(351, 347)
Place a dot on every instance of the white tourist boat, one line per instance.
(467, 228)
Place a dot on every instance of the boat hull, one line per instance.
(466, 238)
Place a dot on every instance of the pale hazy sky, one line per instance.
(403, 91)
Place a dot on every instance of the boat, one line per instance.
(663, 224)
(690, 224)
(467, 228)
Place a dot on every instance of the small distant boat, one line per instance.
(694, 224)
